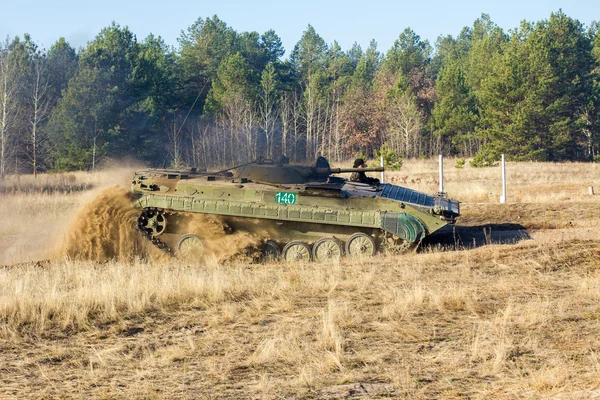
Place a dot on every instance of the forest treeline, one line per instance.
(222, 97)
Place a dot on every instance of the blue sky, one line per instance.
(345, 21)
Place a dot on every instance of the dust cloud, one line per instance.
(105, 229)
(220, 240)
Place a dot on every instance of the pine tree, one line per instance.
(535, 101)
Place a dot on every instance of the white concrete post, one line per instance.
(382, 177)
(441, 174)
(503, 197)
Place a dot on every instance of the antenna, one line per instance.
(192, 107)
(186, 117)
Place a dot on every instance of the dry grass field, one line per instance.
(505, 305)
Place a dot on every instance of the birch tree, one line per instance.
(39, 107)
(8, 109)
(285, 117)
(268, 103)
(406, 123)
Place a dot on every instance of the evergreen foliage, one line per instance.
(224, 96)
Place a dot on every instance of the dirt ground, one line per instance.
(505, 304)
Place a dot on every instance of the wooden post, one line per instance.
(503, 197)
(441, 191)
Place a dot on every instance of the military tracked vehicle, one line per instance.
(306, 212)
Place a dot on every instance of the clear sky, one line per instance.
(349, 21)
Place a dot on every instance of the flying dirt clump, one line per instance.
(105, 229)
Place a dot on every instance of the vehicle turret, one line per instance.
(268, 171)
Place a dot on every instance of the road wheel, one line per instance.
(296, 252)
(327, 249)
(360, 245)
(190, 248)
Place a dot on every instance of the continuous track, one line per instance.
(142, 225)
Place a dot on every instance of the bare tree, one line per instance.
(267, 106)
(405, 125)
(203, 154)
(335, 145)
(219, 140)
(285, 112)
(249, 130)
(588, 133)
(235, 120)
(8, 110)
(296, 122)
(310, 114)
(175, 137)
(40, 105)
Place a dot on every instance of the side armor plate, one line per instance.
(404, 226)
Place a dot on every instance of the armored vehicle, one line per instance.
(310, 213)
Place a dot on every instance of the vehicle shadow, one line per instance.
(457, 237)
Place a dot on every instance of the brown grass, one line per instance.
(498, 321)
(527, 182)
